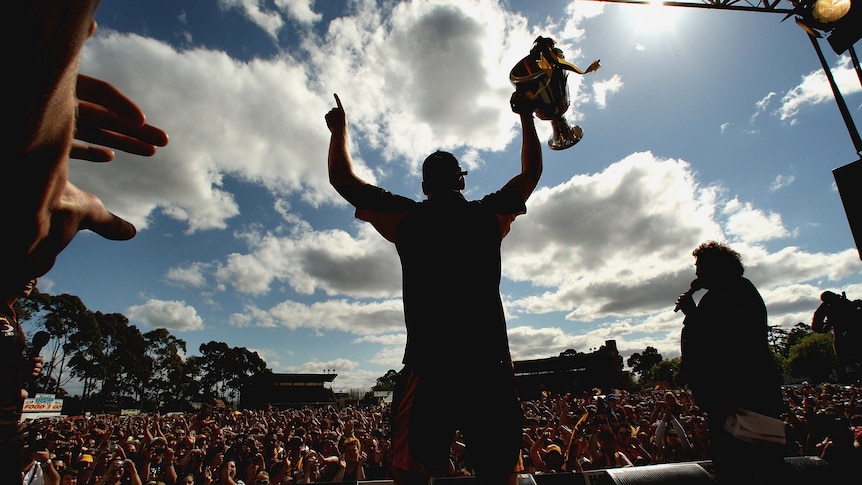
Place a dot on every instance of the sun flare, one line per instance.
(652, 18)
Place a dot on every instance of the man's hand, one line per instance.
(685, 303)
(336, 119)
(107, 117)
(522, 102)
(52, 210)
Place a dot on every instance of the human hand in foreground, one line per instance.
(107, 117)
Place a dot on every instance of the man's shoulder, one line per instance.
(506, 200)
(372, 197)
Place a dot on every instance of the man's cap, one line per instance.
(86, 458)
(612, 397)
(551, 448)
(441, 166)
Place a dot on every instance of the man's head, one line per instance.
(69, 477)
(553, 456)
(716, 261)
(11, 291)
(442, 172)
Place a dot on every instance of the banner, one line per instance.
(43, 403)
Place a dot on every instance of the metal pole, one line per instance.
(856, 63)
(842, 106)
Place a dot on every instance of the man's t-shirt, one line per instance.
(450, 259)
(12, 344)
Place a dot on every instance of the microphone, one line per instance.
(695, 286)
(39, 340)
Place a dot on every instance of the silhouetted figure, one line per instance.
(727, 363)
(844, 318)
(456, 328)
(15, 368)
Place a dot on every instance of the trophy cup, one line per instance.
(542, 77)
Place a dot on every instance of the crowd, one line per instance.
(562, 433)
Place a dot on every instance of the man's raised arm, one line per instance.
(341, 175)
(531, 149)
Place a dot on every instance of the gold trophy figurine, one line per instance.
(542, 77)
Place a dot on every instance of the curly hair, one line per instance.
(719, 256)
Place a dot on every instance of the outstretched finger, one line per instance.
(338, 102)
(91, 153)
(106, 95)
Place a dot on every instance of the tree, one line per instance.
(86, 351)
(641, 364)
(797, 334)
(129, 368)
(777, 340)
(115, 362)
(386, 382)
(60, 316)
(168, 380)
(223, 371)
(192, 389)
(666, 371)
(570, 353)
(813, 358)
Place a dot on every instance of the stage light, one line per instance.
(829, 11)
(842, 19)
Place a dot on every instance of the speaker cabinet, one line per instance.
(813, 469)
(664, 474)
(565, 478)
(523, 479)
(806, 470)
(848, 179)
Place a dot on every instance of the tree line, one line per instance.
(121, 367)
(799, 353)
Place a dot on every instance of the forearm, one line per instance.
(134, 475)
(531, 148)
(531, 159)
(341, 175)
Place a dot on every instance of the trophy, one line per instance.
(542, 77)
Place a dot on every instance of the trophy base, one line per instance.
(565, 136)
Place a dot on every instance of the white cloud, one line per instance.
(176, 316)
(602, 88)
(189, 275)
(780, 182)
(747, 223)
(815, 89)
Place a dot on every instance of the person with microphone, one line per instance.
(14, 368)
(728, 365)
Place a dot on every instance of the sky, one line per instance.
(700, 125)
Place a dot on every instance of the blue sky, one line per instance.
(701, 124)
